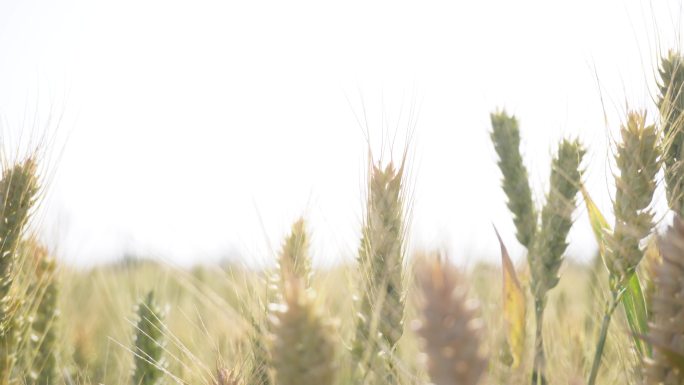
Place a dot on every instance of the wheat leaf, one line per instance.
(637, 316)
(598, 222)
(514, 306)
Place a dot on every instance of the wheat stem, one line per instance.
(613, 302)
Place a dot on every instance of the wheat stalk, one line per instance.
(380, 313)
(448, 327)
(294, 258)
(506, 138)
(547, 243)
(638, 160)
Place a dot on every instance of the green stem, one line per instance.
(616, 294)
(539, 359)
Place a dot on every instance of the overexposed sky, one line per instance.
(195, 130)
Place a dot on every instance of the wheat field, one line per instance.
(391, 317)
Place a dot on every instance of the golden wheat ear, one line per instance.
(666, 333)
(449, 328)
(302, 349)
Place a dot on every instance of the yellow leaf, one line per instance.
(513, 306)
(598, 222)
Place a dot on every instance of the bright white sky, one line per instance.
(201, 129)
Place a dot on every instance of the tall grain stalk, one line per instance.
(380, 315)
(638, 160)
(545, 237)
(18, 190)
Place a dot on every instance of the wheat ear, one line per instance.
(302, 349)
(671, 105)
(448, 328)
(293, 260)
(148, 344)
(18, 190)
(666, 333)
(550, 243)
(638, 160)
(380, 313)
(506, 138)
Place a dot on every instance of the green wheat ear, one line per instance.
(302, 349)
(44, 342)
(556, 217)
(380, 321)
(506, 138)
(18, 191)
(671, 106)
(148, 344)
(638, 159)
(546, 256)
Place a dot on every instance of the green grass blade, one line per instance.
(637, 315)
(599, 225)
